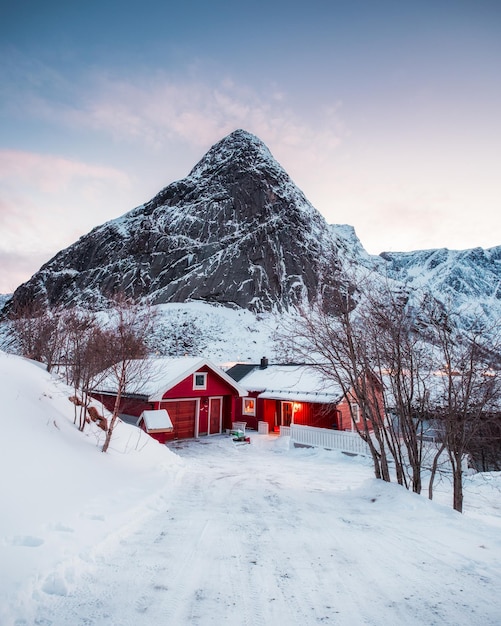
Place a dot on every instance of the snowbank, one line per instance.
(60, 494)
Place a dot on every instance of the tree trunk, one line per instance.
(457, 497)
(434, 468)
(116, 410)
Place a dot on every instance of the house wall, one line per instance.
(345, 421)
(318, 415)
(216, 386)
(240, 416)
(106, 401)
(187, 407)
(377, 409)
(305, 413)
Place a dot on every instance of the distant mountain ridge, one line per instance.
(238, 232)
(467, 281)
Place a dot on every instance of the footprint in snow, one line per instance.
(27, 541)
(142, 604)
(55, 585)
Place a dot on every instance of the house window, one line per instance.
(200, 380)
(355, 412)
(248, 406)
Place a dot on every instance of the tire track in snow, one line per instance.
(206, 557)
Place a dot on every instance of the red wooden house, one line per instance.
(199, 397)
(282, 395)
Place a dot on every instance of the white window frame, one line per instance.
(200, 386)
(245, 410)
(355, 411)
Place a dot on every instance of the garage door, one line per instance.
(182, 414)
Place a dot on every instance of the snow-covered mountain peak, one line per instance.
(238, 149)
(237, 180)
(235, 231)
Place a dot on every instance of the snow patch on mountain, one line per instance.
(218, 333)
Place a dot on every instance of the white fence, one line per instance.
(325, 438)
(352, 443)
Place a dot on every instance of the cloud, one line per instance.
(52, 174)
(154, 109)
(199, 112)
(48, 201)
(17, 267)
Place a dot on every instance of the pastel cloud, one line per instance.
(52, 174)
(198, 112)
(155, 109)
(17, 267)
(47, 202)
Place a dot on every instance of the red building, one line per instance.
(281, 395)
(199, 397)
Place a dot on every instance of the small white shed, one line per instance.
(155, 423)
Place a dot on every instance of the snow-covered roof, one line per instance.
(156, 420)
(302, 383)
(156, 376)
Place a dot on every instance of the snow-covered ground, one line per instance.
(214, 532)
(218, 333)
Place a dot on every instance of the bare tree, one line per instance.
(468, 390)
(39, 333)
(126, 338)
(431, 374)
(331, 337)
(87, 354)
(404, 363)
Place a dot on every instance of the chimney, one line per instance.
(264, 363)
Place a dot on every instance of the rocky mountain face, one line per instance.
(235, 231)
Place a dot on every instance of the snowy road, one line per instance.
(262, 535)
